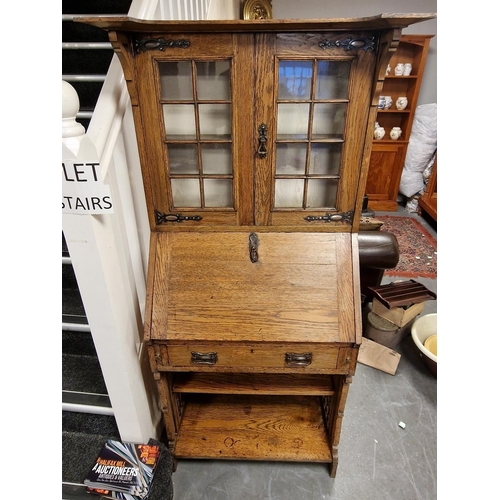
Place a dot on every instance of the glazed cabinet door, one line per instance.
(313, 97)
(265, 129)
(195, 102)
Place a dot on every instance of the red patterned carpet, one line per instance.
(417, 248)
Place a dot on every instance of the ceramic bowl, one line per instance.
(423, 328)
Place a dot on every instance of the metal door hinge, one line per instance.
(349, 43)
(159, 44)
(340, 217)
(162, 218)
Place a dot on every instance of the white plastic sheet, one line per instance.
(421, 150)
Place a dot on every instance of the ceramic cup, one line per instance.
(395, 133)
(401, 103)
(407, 69)
(399, 69)
(381, 102)
(379, 133)
(388, 102)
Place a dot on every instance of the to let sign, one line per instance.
(83, 189)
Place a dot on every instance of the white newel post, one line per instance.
(98, 247)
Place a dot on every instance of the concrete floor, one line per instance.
(378, 460)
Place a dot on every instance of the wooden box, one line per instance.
(400, 316)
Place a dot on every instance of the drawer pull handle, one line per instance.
(293, 359)
(199, 358)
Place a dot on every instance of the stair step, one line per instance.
(90, 424)
(73, 310)
(82, 374)
(95, 61)
(78, 32)
(72, 491)
(81, 343)
(79, 453)
(95, 6)
(72, 307)
(83, 402)
(82, 437)
(69, 281)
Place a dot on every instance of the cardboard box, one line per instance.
(400, 316)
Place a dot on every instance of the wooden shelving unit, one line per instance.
(388, 156)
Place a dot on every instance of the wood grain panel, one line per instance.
(206, 287)
(345, 295)
(243, 113)
(265, 114)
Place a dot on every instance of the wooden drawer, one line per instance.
(254, 357)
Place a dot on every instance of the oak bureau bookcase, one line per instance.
(254, 139)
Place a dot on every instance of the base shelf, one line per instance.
(288, 428)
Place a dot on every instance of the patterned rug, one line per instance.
(417, 248)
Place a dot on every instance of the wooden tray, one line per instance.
(401, 294)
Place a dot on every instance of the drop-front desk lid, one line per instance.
(256, 287)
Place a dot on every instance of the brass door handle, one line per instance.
(199, 358)
(293, 359)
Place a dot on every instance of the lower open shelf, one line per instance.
(253, 427)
